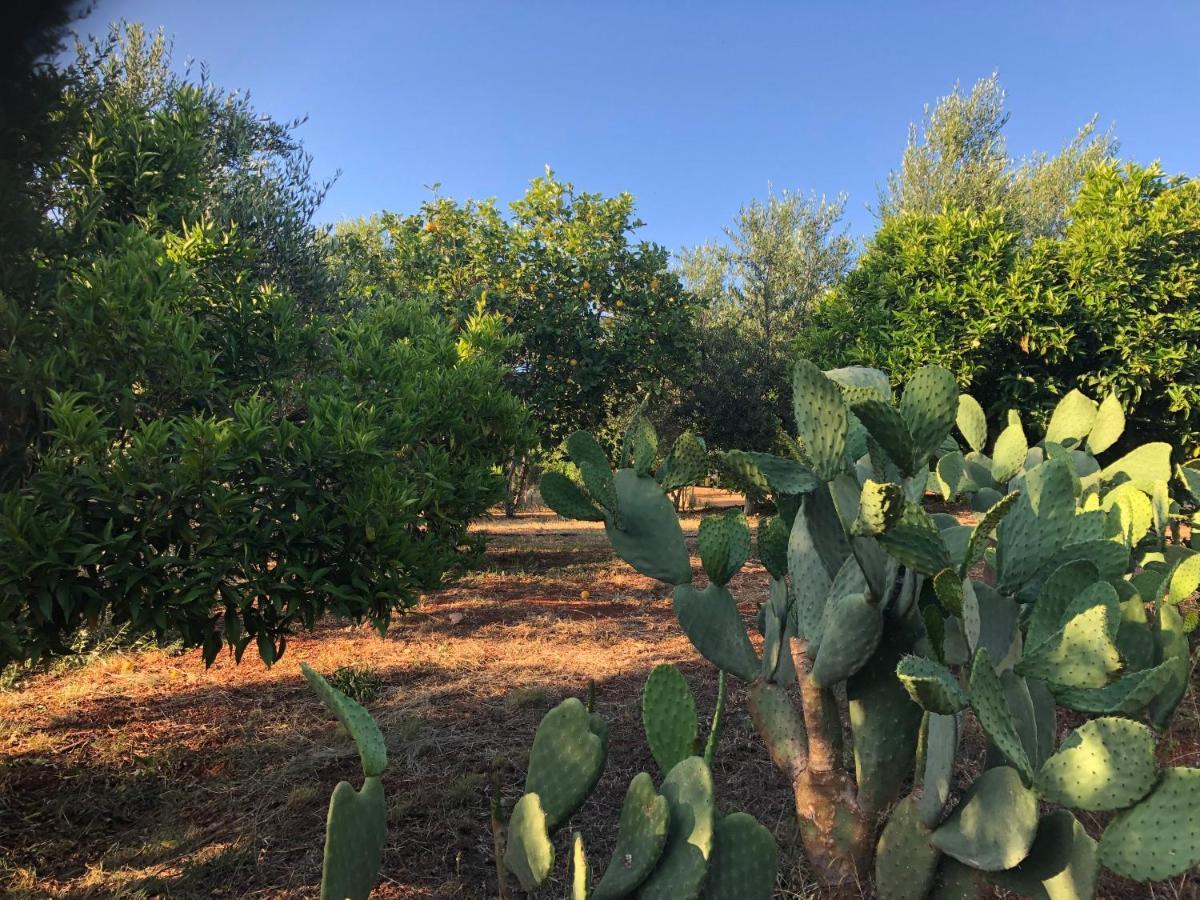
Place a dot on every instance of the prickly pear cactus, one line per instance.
(356, 827)
(1070, 590)
(670, 843)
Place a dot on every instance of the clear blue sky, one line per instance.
(693, 107)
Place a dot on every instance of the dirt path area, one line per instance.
(142, 774)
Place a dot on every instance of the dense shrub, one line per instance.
(1112, 305)
(189, 447)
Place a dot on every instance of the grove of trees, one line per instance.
(220, 420)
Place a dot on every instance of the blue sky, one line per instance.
(692, 107)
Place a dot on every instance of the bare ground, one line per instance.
(143, 774)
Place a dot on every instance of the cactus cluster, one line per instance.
(671, 841)
(895, 625)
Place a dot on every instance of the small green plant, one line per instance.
(360, 683)
(1064, 594)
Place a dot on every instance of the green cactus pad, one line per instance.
(744, 860)
(355, 831)
(711, 620)
(915, 542)
(566, 760)
(983, 531)
(1066, 583)
(990, 703)
(971, 421)
(1080, 655)
(777, 621)
(822, 419)
(529, 853)
(680, 872)
(807, 567)
(879, 508)
(929, 406)
(990, 621)
(887, 427)
(1183, 579)
(1024, 712)
(686, 464)
(724, 543)
(1063, 864)
(1160, 837)
(950, 589)
(850, 634)
(773, 545)
(647, 534)
(958, 882)
(669, 717)
(1105, 764)
(776, 720)
(862, 380)
(640, 446)
(994, 825)
(784, 476)
(1100, 594)
(931, 685)
(563, 496)
(1174, 652)
(941, 747)
(593, 465)
(905, 860)
(579, 869)
(1109, 425)
(885, 724)
(740, 473)
(641, 836)
(372, 748)
(1144, 467)
(1127, 696)
(1037, 526)
(1008, 456)
(1045, 718)
(952, 474)
(1072, 419)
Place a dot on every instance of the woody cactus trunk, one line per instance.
(893, 625)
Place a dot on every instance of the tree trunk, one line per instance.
(515, 478)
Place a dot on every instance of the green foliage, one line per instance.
(599, 316)
(187, 446)
(1107, 306)
(887, 603)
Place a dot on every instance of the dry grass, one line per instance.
(142, 774)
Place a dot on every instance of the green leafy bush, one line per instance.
(188, 448)
(1113, 305)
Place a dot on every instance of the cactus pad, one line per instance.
(905, 860)
(724, 543)
(994, 826)
(563, 496)
(851, 631)
(941, 747)
(887, 427)
(971, 421)
(1080, 655)
(646, 533)
(915, 541)
(355, 831)
(990, 703)
(744, 860)
(929, 406)
(1160, 837)
(529, 853)
(1037, 526)
(669, 717)
(579, 869)
(879, 508)
(1108, 426)
(983, 531)
(783, 476)
(1174, 651)
(990, 622)
(684, 862)
(1126, 696)
(1072, 419)
(641, 836)
(773, 545)
(686, 464)
(1105, 764)
(711, 620)
(822, 419)
(931, 685)
(372, 748)
(1008, 456)
(566, 760)
(1063, 863)
(1066, 583)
